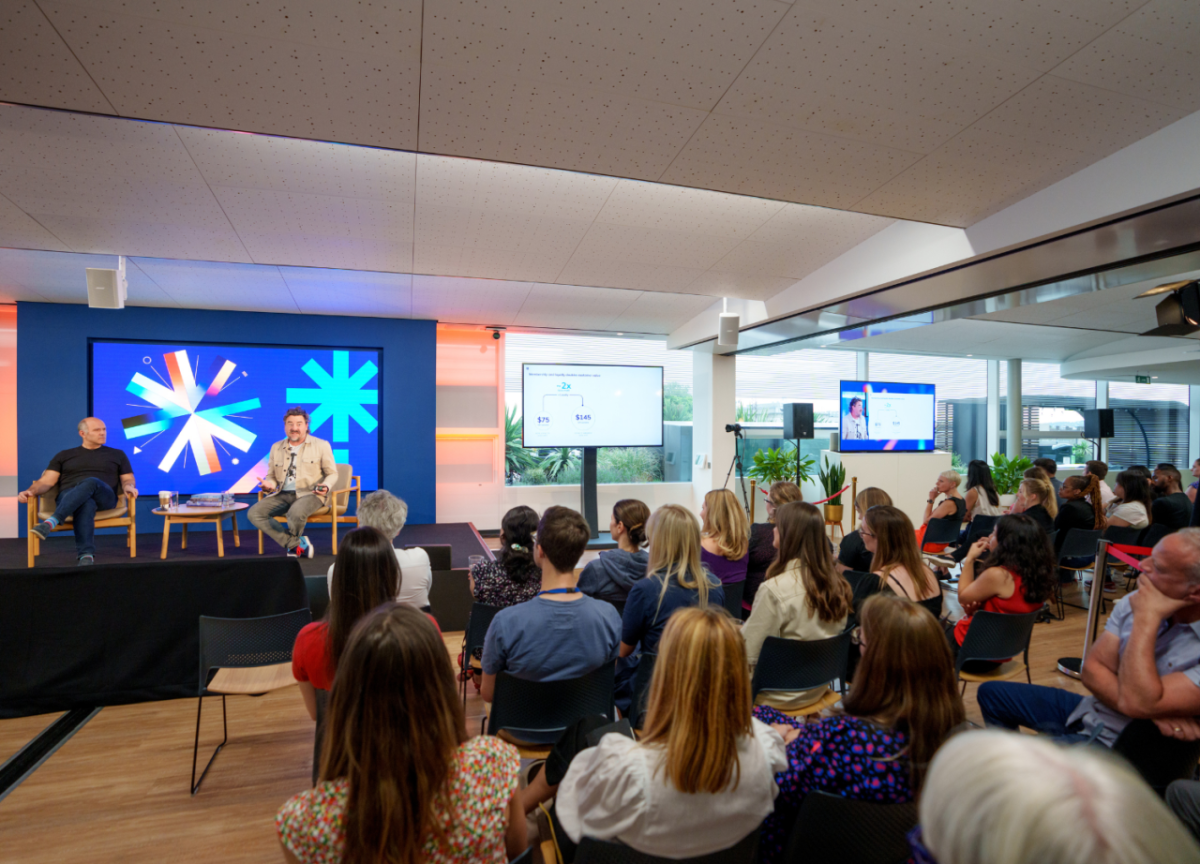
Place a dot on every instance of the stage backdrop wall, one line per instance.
(52, 382)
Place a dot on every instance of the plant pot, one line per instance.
(1007, 501)
(833, 512)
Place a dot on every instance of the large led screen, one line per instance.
(881, 415)
(202, 417)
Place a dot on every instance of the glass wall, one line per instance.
(1151, 425)
(1052, 405)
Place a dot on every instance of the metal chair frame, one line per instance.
(478, 622)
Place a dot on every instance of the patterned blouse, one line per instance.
(494, 587)
(485, 778)
(842, 755)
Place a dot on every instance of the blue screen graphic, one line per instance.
(881, 415)
(202, 417)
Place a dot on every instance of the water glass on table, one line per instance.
(474, 561)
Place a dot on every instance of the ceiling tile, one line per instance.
(692, 211)
(573, 307)
(659, 312)
(1152, 55)
(467, 301)
(754, 157)
(319, 291)
(635, 276)
(37, 67)
(550, 124)
(169, 66)
(19, 230)
(746, 286)
(217, 285)
(59, 277)
(643, 245)
(676, 52)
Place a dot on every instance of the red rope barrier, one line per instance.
(1121, 553)
(834, 495)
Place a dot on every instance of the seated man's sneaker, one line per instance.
(43, 529)
(85, 560)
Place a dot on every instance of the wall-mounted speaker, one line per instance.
(107, 288)
(1098, 423)
(798, 420)
(727, 330)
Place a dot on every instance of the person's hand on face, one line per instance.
(933, 493)
(775, 537)
(978, 548)
(1162, 591)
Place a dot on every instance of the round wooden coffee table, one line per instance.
(184, 515)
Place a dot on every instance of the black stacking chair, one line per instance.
(833, 828)
(939, 531)
(1150, 536)
(477, 627)
(1159, 759)
(592, 851)
(734, 592)
(789, 664)
(641, 689)
(536, 713)
(995, 636)
(247, 656)
(1122, 535)
(1077, 544)
(863, 585)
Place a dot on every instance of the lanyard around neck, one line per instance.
(558, 591)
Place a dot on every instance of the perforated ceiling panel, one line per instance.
(341, 292)
(58, 277)
(36, 66)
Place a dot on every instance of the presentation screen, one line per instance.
(573, 405)
(202, 417)
(878, 415)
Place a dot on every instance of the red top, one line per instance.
(1014, 605)
(310, 654)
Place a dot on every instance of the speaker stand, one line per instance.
(587, 490)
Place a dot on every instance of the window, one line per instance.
(1052, 405)
(1151, 425)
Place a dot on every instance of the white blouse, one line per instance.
(416, 575)
(612, 792)
(1133, 512)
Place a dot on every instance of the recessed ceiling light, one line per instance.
(970, 355)
(620, 334)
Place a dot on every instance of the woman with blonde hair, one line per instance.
(952, 506)
(853, 553)
(1036, 499)
(803, 598)
(998, 798)
(701, 776)
(902, 705)
(762, 537)
(889, 534)
(725, 536)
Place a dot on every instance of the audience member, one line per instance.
(853, 553)
(979, 806)
(1158, 489)
(514, 576)
(725, 540)
(400, 780)
(368, 575)
(1051, 468)
(1137, 668)
(611, 575)
(702, 775)
(561, 633)
(1171, 506)
(981, 497)
(386, 513)
(1036, 499)
(803, 598)
(1017, 577)
(903, 702)
(1195, 484)
(677, 579)
(953, 507)
(1130, 507)
(1099, 470)
(762, 536)
(1081, 508)
(889, 534)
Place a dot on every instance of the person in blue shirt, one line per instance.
(561, 633)
(611, 575)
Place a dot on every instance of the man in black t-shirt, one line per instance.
(88, 477)
(1172, 507)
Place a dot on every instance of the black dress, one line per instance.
(762, 553)
(1072, 514)
(854, 554)
(1041, 516)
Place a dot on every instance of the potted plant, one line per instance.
(771, 465)
(833, 478)
(1007, 474)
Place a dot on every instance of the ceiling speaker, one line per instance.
(107, 288)
(727, 330)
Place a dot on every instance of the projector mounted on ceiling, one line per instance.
(1178, 313)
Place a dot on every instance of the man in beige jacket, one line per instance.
(300, 474)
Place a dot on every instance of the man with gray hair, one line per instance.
(386, 513)
(300, 476)
(1146, 664)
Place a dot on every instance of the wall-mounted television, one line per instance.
(201, 417)
(577, 405)
(886, 415)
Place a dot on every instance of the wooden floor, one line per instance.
(118, 790)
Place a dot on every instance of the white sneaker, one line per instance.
(305, 548)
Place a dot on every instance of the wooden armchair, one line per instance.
(335, 512)
(42, 507)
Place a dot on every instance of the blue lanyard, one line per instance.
(558, 591)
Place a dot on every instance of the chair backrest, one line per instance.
(592, 851)
(1150, 536)
(641, 688)
(1079, 543)
(833, 828)
(540, 711)
(941, 531)
(345, 476)
(240, 643)
(980, 527)
(1122, 535)
(734, 591)
(1159, 759)
(477, 627)
(789, 664)
(996, 636)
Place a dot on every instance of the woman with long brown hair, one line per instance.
(889, 534)
(701, 776)
(853, 553)
(762, 537)
(804, 597)
(400, 780)
(725, 536)
(903, 703)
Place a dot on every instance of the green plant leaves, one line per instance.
(771, 465)
(833, 478)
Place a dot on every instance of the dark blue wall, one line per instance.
(52, 382)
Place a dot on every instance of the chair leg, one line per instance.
(196, 747)
(335, 527)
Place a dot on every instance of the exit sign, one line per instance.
(1141, 379)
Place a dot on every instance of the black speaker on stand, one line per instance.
(797, 424)
(1098, 423)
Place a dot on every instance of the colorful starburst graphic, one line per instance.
(339, 396)
(183, 399)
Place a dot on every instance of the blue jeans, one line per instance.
(1043, 709)
(81, 503)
